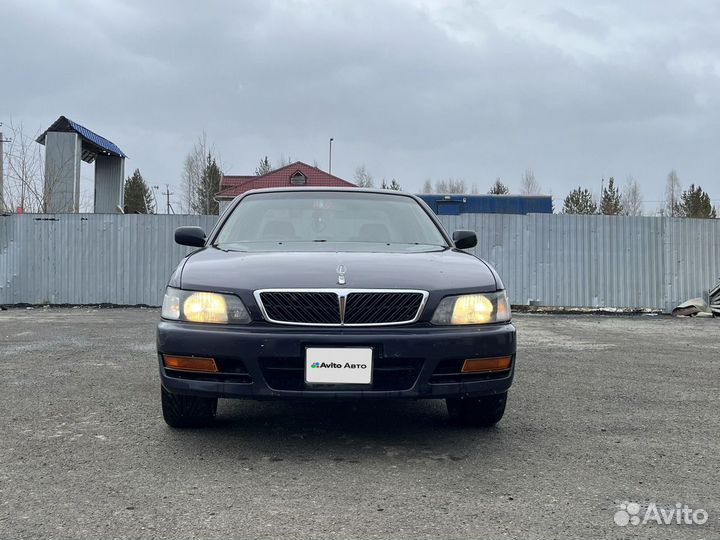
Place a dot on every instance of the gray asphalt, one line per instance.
(604, 410)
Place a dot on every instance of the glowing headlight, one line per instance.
(473, 309)
(203, 307)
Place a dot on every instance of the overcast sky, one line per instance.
(413, 89)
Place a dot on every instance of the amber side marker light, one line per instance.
(473, 365)
(190, 363)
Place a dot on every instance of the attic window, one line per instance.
(298, 179)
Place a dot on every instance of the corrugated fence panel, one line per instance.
(598, 261)
(501, 242)
(692, 252)
(558, 260)
(89, 259)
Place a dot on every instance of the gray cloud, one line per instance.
(413, 89)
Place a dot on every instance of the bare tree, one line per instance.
(451, 185)
(282, 162)
(631, 198)
(528, 184)
(427, 186)
(192, 173)
(24, 166)
(363, 178)
(474, 190)
(457, 185)
(28, 185)
(673, 192)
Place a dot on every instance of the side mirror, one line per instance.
(465, 239)
(190, 236)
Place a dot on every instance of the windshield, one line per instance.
(326, 220)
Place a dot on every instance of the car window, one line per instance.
(364, 221)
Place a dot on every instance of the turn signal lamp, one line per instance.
(190, 363)
(473, 365)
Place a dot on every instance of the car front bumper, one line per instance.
(267, 362)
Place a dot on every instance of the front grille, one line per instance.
(389, 374)
(305, 307)
(341, 307)
(382, 307)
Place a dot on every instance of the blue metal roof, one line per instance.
(97, 144)
(488, 204)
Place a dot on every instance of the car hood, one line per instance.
(212, 269)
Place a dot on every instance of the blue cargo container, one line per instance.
(488, 204)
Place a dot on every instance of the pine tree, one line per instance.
(610, 204)
(499, 188)
(695, 203)
(209, 187)
(394, 185)
(264, 167)
(138, 197)
(579, 201)
(427, 186)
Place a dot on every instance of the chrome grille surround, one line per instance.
(402, 295)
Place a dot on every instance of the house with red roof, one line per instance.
(296, 174)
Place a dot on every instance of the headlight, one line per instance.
(203, 307)
(473, 309)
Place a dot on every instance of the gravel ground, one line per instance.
(604, 410)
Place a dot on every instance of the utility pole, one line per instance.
(153, 189)
(330, 157)
(3, 140)
(2, 174)
(672, 200)
(167, 194)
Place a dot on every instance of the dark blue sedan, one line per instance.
(341, 293)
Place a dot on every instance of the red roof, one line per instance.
(232, 186)
(229, 180)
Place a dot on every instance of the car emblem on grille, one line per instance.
(342, 302)
(341, 274)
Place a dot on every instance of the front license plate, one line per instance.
(346, 365)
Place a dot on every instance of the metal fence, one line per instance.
(89, 258)
(558, 260)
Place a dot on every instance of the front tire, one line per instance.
(477, 412)
(187, 411)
